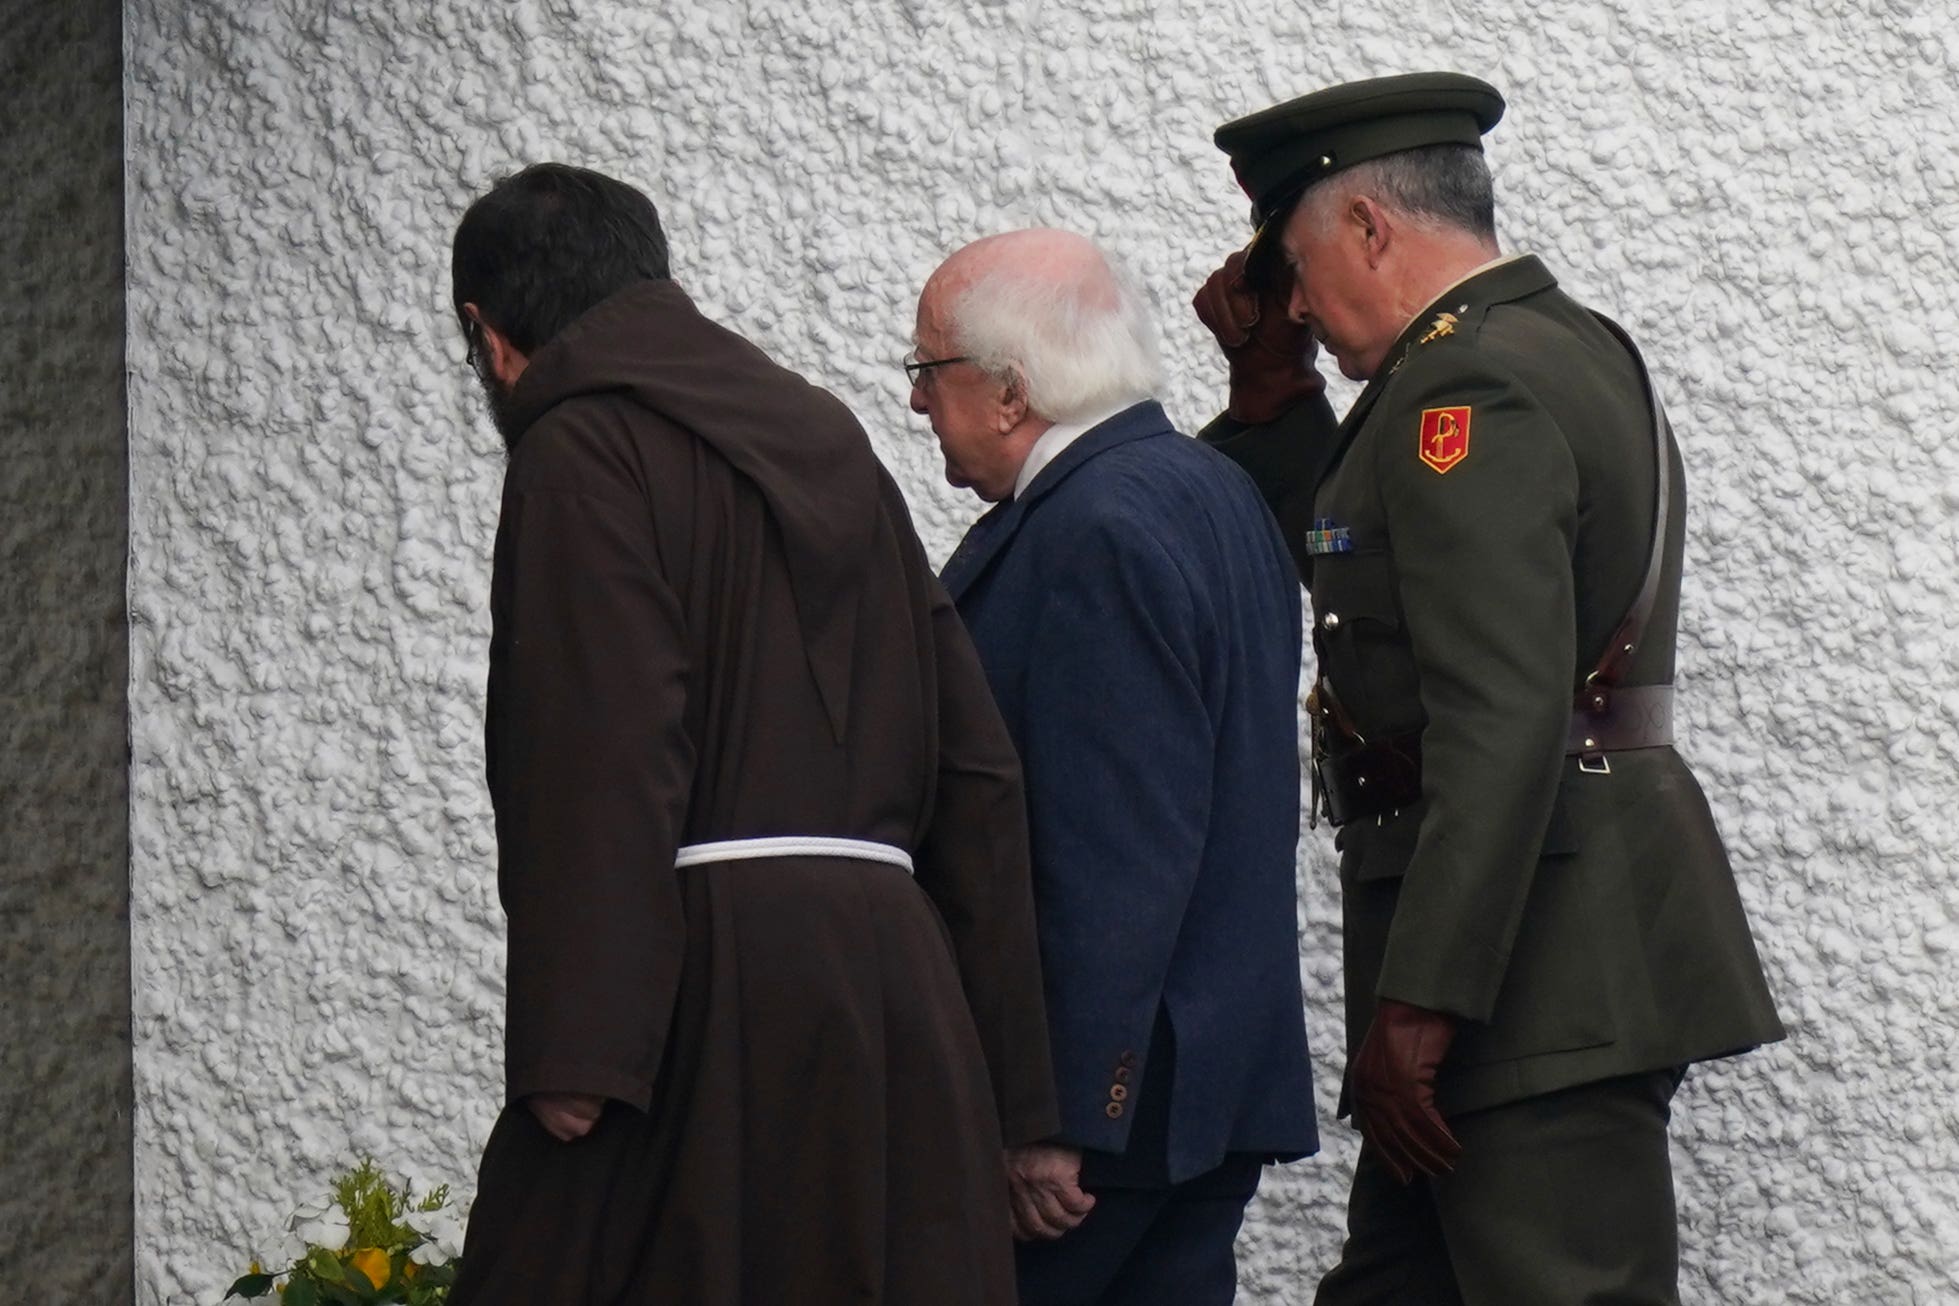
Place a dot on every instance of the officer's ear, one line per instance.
(1372, 227)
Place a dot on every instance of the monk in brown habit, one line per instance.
(774, 1002)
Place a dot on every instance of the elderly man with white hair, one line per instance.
(1139, 622)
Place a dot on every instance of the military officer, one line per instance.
(1542, 931)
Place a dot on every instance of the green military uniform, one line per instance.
(1586, 923)
(1473, 534)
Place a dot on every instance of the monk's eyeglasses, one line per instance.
(473, 338)
(916, 367)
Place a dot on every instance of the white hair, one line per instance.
(1078, 344)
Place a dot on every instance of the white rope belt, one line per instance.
(790, 845)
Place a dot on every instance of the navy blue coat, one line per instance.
(1139, 622)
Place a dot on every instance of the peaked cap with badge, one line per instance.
(1277, 153)
(1492, 537)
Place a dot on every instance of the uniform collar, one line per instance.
(1433, 305)
(1498, 282)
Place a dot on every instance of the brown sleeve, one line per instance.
(590, 768)
(973, 862)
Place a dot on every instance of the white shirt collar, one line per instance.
(1057, 438)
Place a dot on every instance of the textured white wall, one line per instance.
(1769, 199)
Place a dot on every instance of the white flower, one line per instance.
(288, 1250)
(324, 1225)
(443, 1232)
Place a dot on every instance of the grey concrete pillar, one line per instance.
(65, 1205)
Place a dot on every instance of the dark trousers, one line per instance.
(1157, 1246)
(1560, 1200)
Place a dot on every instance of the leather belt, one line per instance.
(1371, 779)
(1384, 776)
(1614, 720)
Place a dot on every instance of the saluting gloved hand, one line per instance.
(1393, 1087)
(1270, 355)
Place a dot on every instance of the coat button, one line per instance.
(1122, 1074)
(1117, 1093)
(1113, 1111)
(1331, 621)
(1128, 1059)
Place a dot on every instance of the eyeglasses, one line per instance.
(916, 367)
(473, 337)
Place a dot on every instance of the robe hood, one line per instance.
(799, 444)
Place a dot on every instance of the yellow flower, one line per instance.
(409, 1270)
(372, 1262)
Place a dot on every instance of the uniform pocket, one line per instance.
(1357, 587)
(1357, 631)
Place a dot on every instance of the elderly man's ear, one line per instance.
(1013, 402)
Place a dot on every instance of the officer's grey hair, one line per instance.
(1436, 185)
(1076, 345)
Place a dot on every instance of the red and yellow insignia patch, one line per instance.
(1445, 437)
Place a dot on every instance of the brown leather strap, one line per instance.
(1619, 650)
(1632, 716)
(1384, 776)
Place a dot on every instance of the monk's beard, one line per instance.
(503, 409)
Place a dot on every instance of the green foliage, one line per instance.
(398, 1248)
(373, 1207)
(250, 1285)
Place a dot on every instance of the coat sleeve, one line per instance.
(1286, 459)
(1483, 555)
(1119, 740)
(973, 863)
(590, 768)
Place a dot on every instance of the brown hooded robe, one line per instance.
(712, 620)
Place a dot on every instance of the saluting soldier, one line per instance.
(1542, 930)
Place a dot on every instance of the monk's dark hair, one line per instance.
(547, 244)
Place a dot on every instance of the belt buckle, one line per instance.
(1594, 764)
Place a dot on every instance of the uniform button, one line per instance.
(1122, 1074)
(1113, 1111)
(1331, 621)
(1117, 1093)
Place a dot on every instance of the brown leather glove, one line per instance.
(1392, 1082)
(1270, 355)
